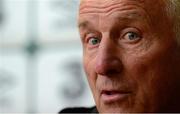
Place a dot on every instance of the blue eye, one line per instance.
(132, 36)
(94, 41)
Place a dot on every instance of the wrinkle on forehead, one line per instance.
(103, 6)
(150, 8)
(108, 9)
(100, 6)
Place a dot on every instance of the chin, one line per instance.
(122, 108)
(115, 110)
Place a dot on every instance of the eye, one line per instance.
(131, 37)
(94, 41)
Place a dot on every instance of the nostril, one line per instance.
(113, 71)
(108, 67)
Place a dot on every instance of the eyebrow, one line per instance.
(133, 16)
(83, 24)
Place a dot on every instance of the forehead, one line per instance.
(149, 10)
(106, 2)
(106, 6)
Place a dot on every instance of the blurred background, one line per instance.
(40, 57)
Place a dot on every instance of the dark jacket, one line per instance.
(79, 110)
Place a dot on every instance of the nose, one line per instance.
(108, 60)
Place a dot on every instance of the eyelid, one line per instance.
(84, 33)
(127, 30)
(84, 37)
(93, 38)
(90, 35)
(130, 30)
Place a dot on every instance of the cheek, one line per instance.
(92, 77)
(141, 73)
(146, 70)
(90, 71)
(152, 76)
(136, 68)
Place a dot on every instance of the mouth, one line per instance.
(110, 96)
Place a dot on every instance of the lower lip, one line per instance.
(114, 97)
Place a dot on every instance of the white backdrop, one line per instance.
(40, 57)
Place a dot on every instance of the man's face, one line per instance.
(130, 55)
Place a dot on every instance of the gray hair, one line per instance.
(173, 10)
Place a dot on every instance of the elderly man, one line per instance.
(131, 54)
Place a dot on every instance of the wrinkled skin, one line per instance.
(130, 46)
